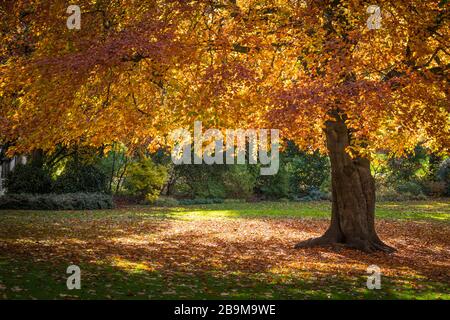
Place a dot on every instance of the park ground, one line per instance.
(232, 250)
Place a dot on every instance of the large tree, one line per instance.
(138, 69)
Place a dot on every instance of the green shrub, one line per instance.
(234, 200)
(146, 179)
(325, 187)
(315, 195)
(434, 188)
(26, 178)
(390, 194)
(409, 187)
(239, 182)
(79, 177)
(200, 180)
(68, 201)
(200, 201)
(409, 167)
(180, 188)
(307, 172)
(444, 174)
(166, 202)
(298, 174)
(275, 186)
(121, 199)
(214, 189)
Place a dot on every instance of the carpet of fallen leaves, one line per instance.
(227, 246)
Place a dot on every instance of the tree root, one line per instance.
(368, 246)
(322, 241)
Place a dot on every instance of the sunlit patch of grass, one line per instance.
(131, 266)
(416, 210)
(429, 210)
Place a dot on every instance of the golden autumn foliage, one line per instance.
(138, 69)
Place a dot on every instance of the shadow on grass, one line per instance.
(103, 281)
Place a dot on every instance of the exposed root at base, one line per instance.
(368, 246)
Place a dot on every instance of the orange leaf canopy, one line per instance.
(136, 70)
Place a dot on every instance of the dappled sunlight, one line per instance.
(219, 243)
(434, 205)
(416, 210)
(131, 266)
(211, 214)
(235, 244)
(137, 240)
(245, 249)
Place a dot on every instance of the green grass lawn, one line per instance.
(220, 251)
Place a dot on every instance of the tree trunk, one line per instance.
(353, 197)
(37, 158)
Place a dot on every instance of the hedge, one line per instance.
(68, 201)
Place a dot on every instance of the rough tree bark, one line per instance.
(353, 196)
